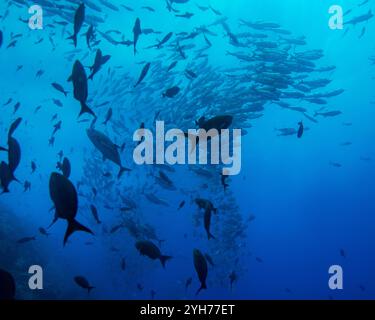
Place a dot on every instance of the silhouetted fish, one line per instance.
(65, 199)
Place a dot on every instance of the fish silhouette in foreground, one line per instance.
(83, 283)
(79, 79)
(108, 149)
(148, 249)
(7, 286)
(65, 199)
(79, 17)
(201, 268)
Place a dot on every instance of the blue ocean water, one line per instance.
(297, 207)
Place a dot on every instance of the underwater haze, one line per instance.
(100, 226)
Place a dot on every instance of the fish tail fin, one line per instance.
(89, 289)
(73, 226)
(203, 286)
(91, 77)
(86, 109)
(65, 93)
(164, 259)
(122, 170)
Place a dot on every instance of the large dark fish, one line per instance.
(137, 31)
(108, 149)
(64, 167)
(144, 72)
(99, 61)
(83, 283)
(79, 80)
(79, 17)
(201, 268)
(65, 199)
(147, 248)
(7, 286)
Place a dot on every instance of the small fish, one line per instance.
(25, 240)
(148, 249)
(232, 279)
(60, 88)
(335, 164)
(171, 92)
(182, 203)
(144, 72)
(137, 31)
(300, 130)
(172, 65)
(94, 212)
(201, 268)
(8, 102)
(123, 264)
(108, 116)
(83, 283)
(33, 166)
(43, 232)
(342, 253)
